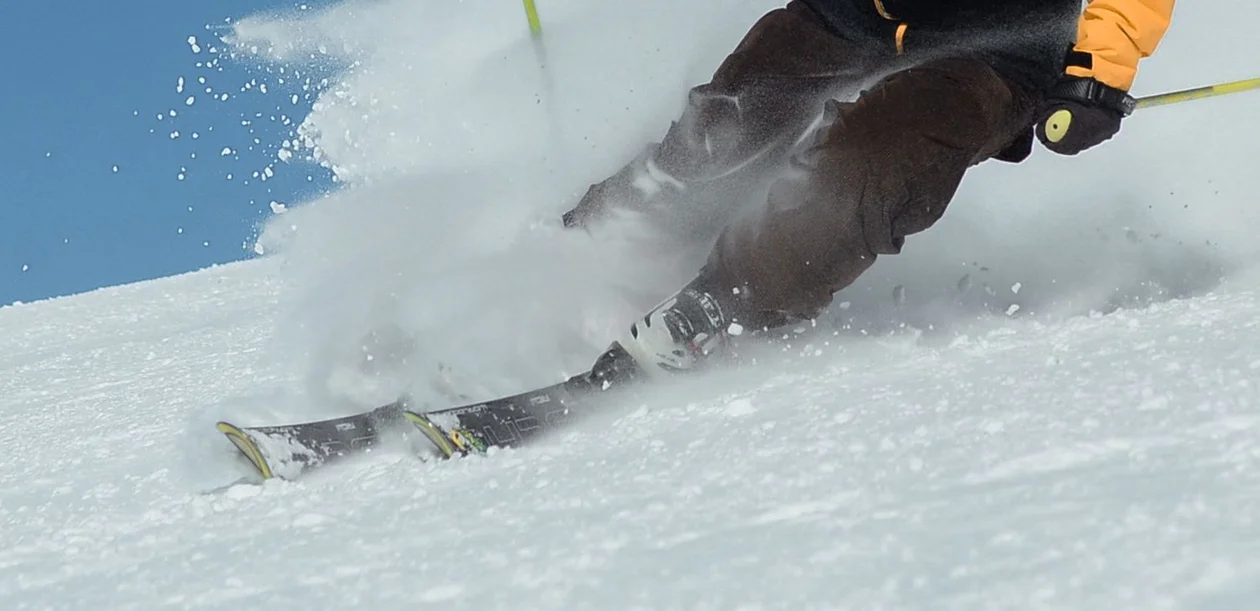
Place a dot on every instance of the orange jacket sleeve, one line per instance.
(1118, 33)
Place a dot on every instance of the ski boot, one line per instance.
(683, 332)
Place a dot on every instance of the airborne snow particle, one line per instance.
(1015, 288)
(278, 207)
(225, 152)
(179, 85)
(25, 267)
(192, 43)
(115, 169)
(190, 101)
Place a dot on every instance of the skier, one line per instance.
(958, 82)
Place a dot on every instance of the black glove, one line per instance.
(1080, 113)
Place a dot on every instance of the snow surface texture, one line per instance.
(1048, 401)
(1101, 462)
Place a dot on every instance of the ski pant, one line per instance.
(882, 167)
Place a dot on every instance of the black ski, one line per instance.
(289, 450)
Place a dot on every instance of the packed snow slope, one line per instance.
(1049, 400)
(1102, 462)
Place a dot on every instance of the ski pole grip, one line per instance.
(1058, 125)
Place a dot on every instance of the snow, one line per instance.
(1049, 400)
(886, 473)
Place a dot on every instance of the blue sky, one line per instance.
(92, 191)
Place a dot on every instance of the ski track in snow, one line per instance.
(1102, 462)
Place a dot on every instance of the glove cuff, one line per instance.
(1094, 93)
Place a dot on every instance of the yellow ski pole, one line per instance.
(1057, 126)
(549, 86)
(531, 13)
(1197, 93)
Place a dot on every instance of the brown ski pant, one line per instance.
(885, 167)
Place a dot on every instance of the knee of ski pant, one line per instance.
(756, 49)
(707, 134)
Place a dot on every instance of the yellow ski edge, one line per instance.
(432, 431)
(247, 447)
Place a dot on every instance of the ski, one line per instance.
(288, 451)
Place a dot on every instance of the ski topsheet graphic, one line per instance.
(287, 451)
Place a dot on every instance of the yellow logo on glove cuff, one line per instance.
(1058, 124)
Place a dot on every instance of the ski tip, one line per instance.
(246, 445)
(433, 433)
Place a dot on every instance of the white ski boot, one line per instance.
(681, 333)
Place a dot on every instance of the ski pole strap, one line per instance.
(1198, 93)
(1095, 93)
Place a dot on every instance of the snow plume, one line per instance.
(437, 84)
(457, 152)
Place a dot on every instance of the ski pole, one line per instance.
(549, 86)
(531, 13)
(1195, 94)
